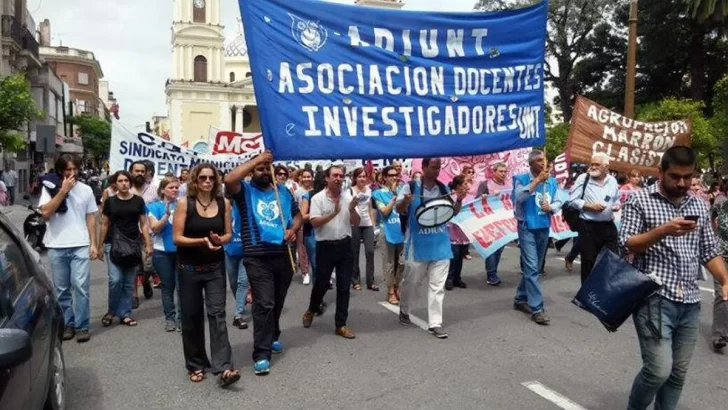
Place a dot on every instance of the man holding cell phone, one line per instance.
(659, 227)
(596, 195)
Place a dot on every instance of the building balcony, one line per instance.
(12, 31)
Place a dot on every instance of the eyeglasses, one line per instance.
(206, 178)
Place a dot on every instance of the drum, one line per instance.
(435, 212)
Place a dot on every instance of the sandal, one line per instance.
(107, 319)
(373, 288)
(356, 286)
(196, 376)
(392, 299)
(127, 321)
(228, 377)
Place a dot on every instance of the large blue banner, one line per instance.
(345, 81)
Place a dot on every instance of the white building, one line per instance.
(210, 83)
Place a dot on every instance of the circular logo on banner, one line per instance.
(200, 147)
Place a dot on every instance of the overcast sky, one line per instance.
(131, 40)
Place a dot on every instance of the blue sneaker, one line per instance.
(277, 347)
(261, 367)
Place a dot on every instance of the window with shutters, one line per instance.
(232, 77)
(200, 69)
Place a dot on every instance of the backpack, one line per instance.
(404, 216)
(569, 214)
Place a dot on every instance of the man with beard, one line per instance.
(596, 195)
(535, 202)
(265, 249)
(141, 187)
(670, 233)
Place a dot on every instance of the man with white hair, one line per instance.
(596, 194)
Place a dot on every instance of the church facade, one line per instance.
(210, 84)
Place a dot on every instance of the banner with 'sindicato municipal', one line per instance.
(128, 146)
(490, 225)
(342, 81)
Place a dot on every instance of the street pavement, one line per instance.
(495, 358)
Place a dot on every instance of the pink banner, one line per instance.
(516, 162)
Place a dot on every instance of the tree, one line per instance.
(571, 54)
(17, 109)
(96, 135)
(556, 137)
(716, 10)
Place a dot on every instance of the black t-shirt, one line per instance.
(124, 215)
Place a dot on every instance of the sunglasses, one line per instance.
(206, 178)
(282, 174)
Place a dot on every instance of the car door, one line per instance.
(30, 308)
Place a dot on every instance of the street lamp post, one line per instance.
(631, 61)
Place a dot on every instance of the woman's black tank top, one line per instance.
(197, 226)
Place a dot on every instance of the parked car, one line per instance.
(32, 368)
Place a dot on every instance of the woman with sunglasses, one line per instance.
(164, 259)
(392, 261)
(203, 224)
(361, 193)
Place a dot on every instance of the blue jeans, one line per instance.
(310, 243)
(121, 286)
(664, 360)
(165, 265)
(533, 243)
(71, 269)
(492, 262)
(575, 250)
(238, 277)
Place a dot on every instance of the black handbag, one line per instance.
(614, 290)
(569, 214)
(125, 252)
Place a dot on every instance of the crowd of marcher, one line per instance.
(262, 223)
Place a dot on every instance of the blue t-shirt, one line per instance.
(235, 246)
(163, 240)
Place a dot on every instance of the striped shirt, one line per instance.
(247, 229)
(676, 260)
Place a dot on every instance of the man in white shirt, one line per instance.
(70, 238)
(332, 214)
(10, 177)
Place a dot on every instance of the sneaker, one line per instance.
(277, 347)
(261, 367)
(170, 326)
(438, 332)
(148, 290)
(522, 307)
(240, 323)
(541, 318)
(306, 279)
(307, 318)
(493, 280)
(449, 285)
(179, 326)
(69, 333)
(345, 332)
(83, 336)
(460, 284)
(404, 319)
(719, 344)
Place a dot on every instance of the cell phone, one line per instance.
(693, 218)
